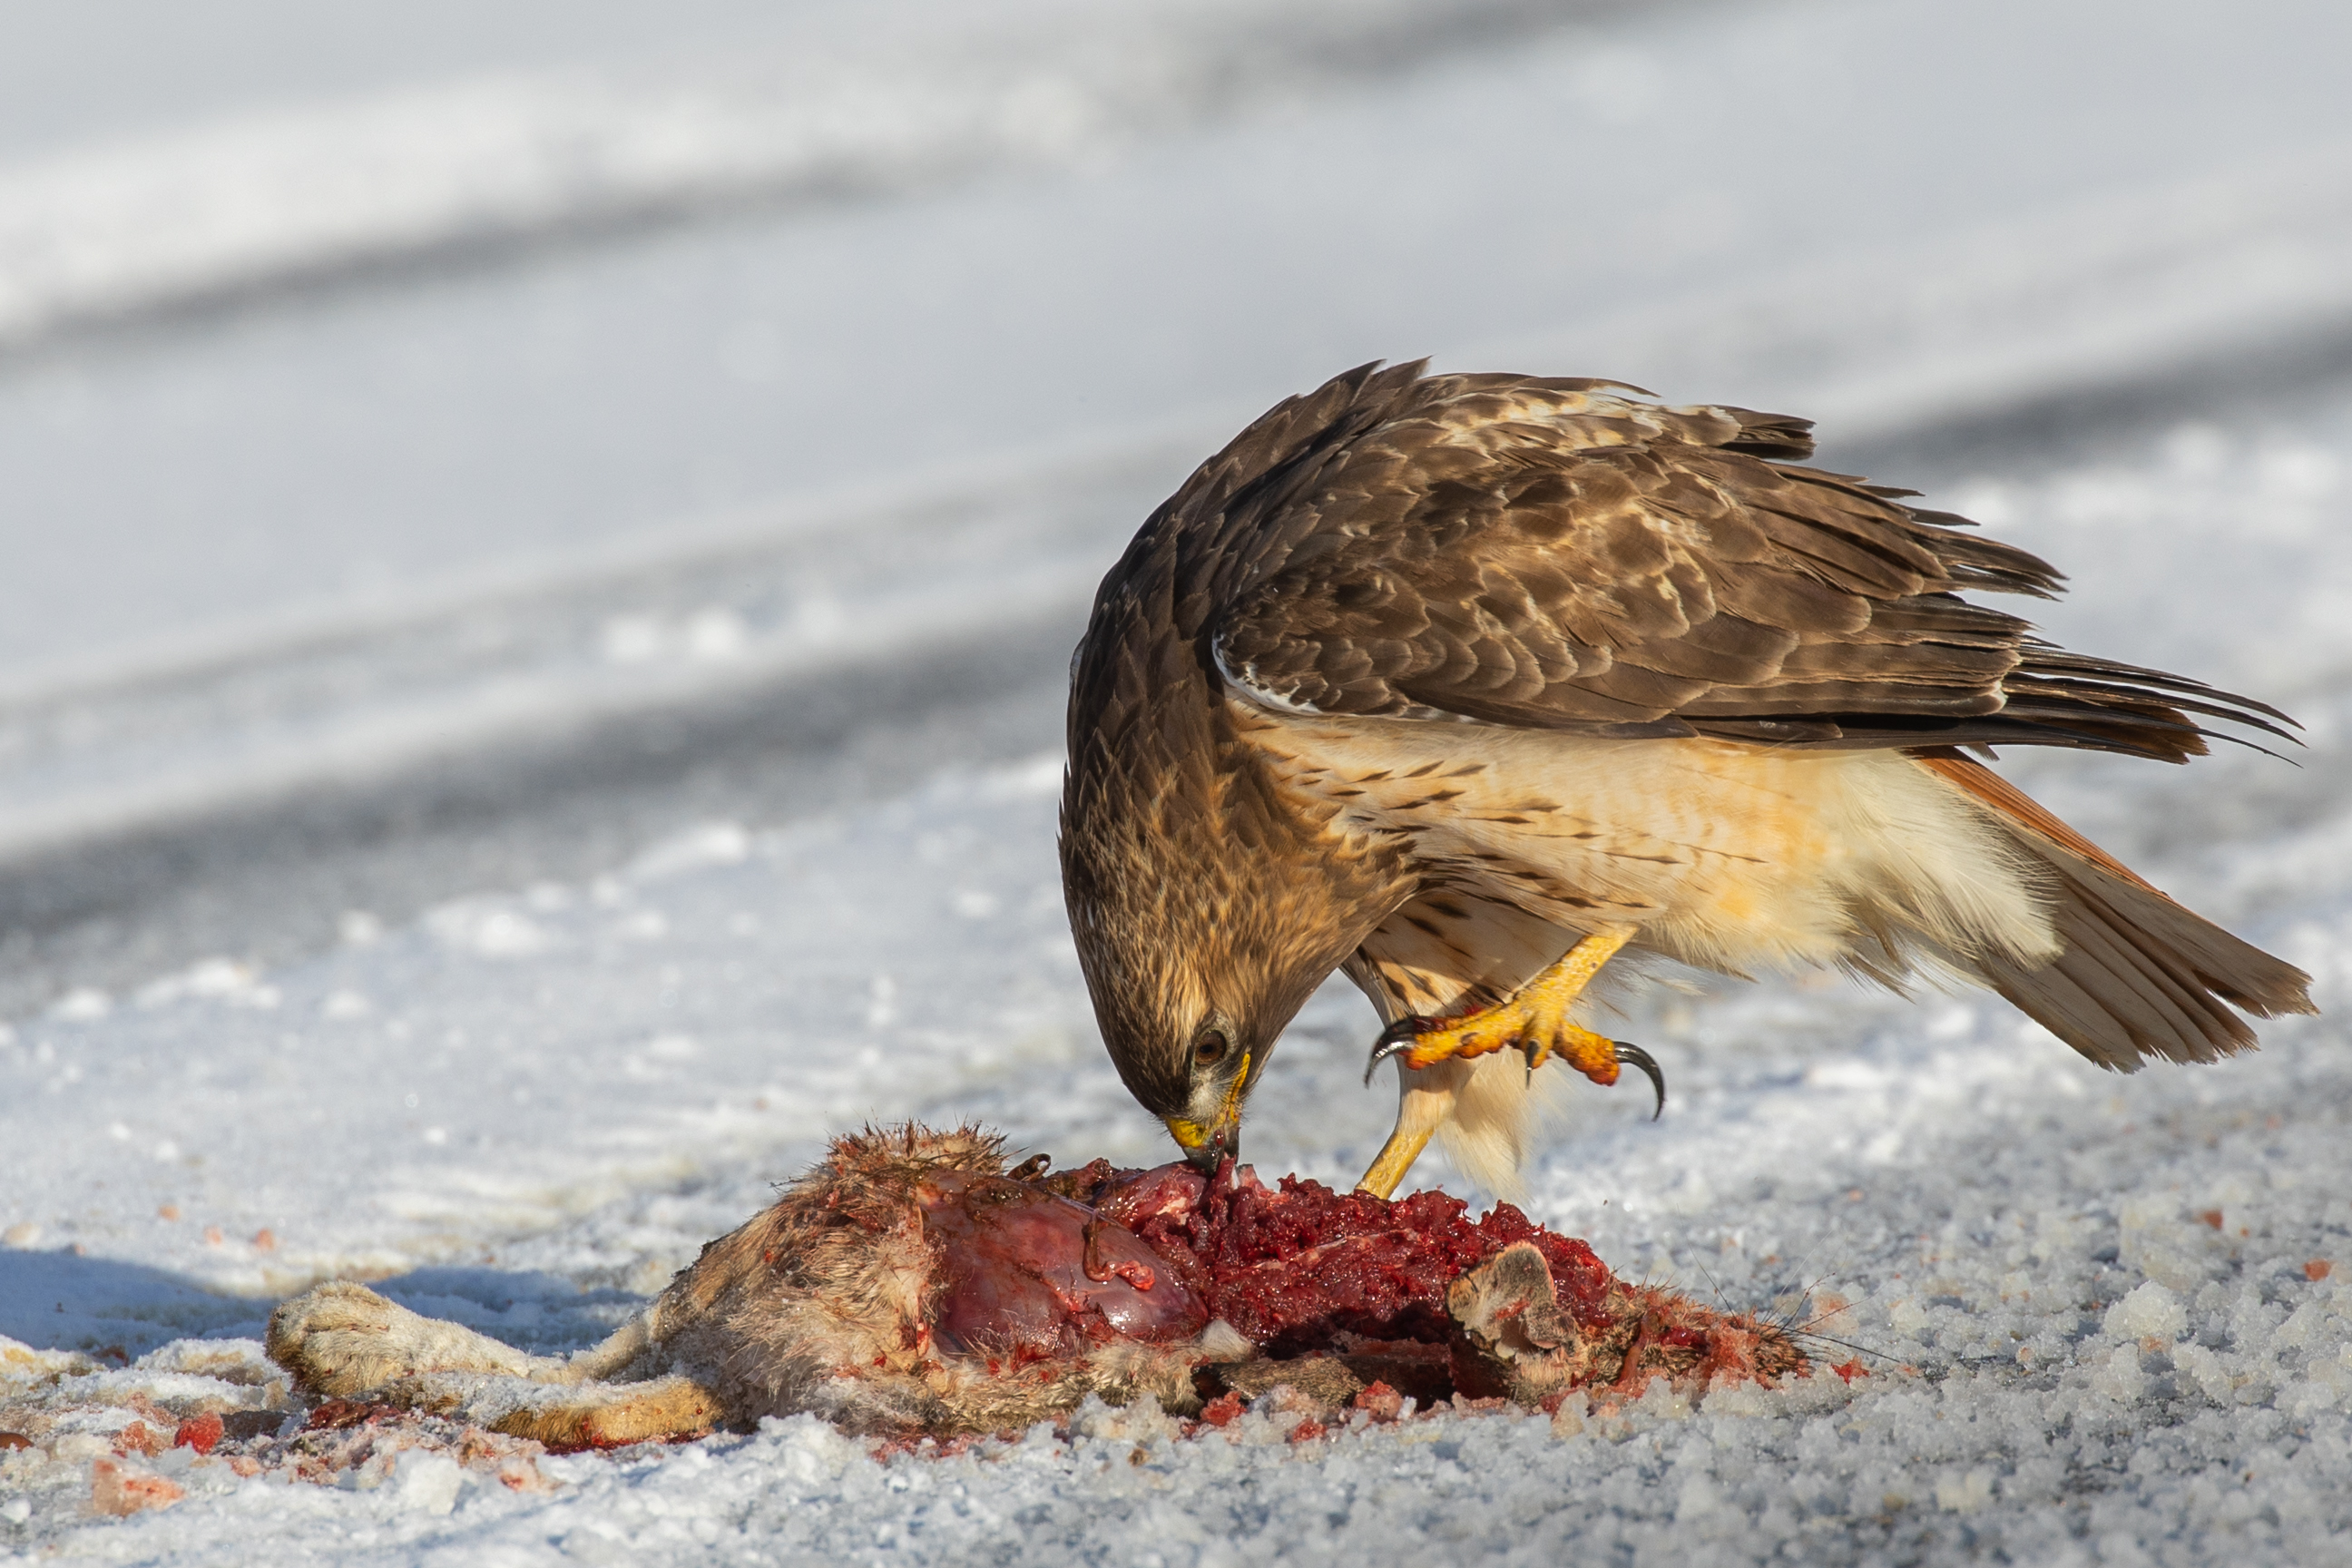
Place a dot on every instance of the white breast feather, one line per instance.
(1722, 855)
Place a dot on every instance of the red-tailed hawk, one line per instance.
(1465, 683)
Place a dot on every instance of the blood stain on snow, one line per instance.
(199, 1432)
(119, 1492)
(136, 1438)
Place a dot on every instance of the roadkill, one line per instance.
(911, 1285)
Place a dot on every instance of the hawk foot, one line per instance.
(1534, 1018)
(1423, 1042)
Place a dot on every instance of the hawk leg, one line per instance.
(1534, 1018)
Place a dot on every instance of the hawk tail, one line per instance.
(2138, 975)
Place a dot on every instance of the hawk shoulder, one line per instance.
(1565, 555)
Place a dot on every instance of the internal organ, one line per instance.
(1027, 1273)
(1153, 1255)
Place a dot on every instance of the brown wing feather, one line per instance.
(1555, 553)
(2137, 974)
(1992, 790)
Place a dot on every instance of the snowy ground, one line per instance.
(637, 942)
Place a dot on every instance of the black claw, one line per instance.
(1395, 1040)
(1648, 1064)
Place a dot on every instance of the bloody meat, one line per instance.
(1297, 1267)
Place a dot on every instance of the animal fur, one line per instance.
(822, 1303)
(833, 1302)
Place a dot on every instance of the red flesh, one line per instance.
(1295, 1267)
(1015, 1262)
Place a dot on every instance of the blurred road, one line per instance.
(439, 449)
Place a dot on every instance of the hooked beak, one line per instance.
(1208, 1145)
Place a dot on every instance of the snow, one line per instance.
(903, 97)
(244, 470)
(2085, 1303)
(2083, 1318)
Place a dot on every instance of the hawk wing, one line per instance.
(1555, 553)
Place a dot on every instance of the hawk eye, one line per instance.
(1210, 1049)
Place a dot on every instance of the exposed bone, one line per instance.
(908, 1285)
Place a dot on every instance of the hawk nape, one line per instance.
(1465, 683)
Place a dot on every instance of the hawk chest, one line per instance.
(1721, 854)
(1584, 820)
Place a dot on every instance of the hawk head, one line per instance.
(1203, 921)
(1206, 907)
(1189, 1005)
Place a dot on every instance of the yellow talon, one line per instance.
(1594, 1055)
(1534, 1018)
